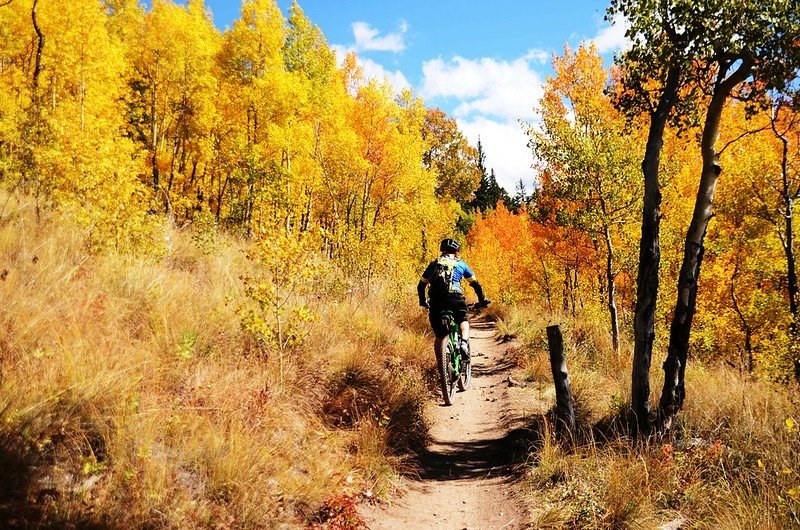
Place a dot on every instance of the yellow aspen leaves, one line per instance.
(145, 113)
(791, 425)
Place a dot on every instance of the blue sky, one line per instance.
(482, 62)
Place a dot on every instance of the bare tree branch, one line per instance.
(37, 69)
(743, 135)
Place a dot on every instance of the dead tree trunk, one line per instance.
(565, 412)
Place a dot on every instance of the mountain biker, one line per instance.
(444, 276)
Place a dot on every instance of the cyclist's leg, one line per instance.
(435, 319)
(465, 329)
(460, 314)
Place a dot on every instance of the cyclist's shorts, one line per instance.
(455, 304)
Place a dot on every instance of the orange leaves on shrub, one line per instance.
(519, 259)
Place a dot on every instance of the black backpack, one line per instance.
(442, 279)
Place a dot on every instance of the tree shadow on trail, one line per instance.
(31, 495)
(486, 457)
(481, 370)
(482, 324)
(482, 458)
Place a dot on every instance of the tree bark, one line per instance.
(791, 275)
(37, 65)
(649, 257)
(674, 393)
(33, 132)
(154, 136)
(746, 327)
(612, 303)
(565, 411)
(788, 196)
(548, 292)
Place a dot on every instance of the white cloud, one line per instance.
(504, 89)
(460, 79)
(537, 55)
(612, 38)
(491, 96)
(341, 51)
(373, 70)
(506, 147)
(370, 39)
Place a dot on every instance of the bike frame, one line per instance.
(453, 372)
(454, 335)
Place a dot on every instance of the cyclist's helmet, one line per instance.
(449, 246)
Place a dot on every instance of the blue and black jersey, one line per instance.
(460, 270)
(442, 279)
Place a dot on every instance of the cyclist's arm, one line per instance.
(423, 283)
(474, 283)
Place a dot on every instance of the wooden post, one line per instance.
(565, 412)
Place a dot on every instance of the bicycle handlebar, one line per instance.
(476, 305)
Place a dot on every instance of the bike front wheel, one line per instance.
(444, 363)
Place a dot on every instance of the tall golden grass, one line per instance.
(131, 396)
(733, 461)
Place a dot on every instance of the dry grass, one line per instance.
(733, 460)
(527, 328)
(131, 397)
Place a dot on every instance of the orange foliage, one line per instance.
(518, 259)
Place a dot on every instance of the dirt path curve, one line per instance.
(465, 478)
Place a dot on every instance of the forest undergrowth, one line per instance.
(135, 391)
(153, 390)
(733, 460)
(209, 241)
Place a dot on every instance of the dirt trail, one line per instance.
(465, 478)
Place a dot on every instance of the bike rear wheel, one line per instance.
(444, 364)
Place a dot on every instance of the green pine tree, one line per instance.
(489, 193)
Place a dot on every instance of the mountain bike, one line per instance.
(454, 372)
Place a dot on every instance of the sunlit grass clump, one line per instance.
(134, 394)
(733, 460)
